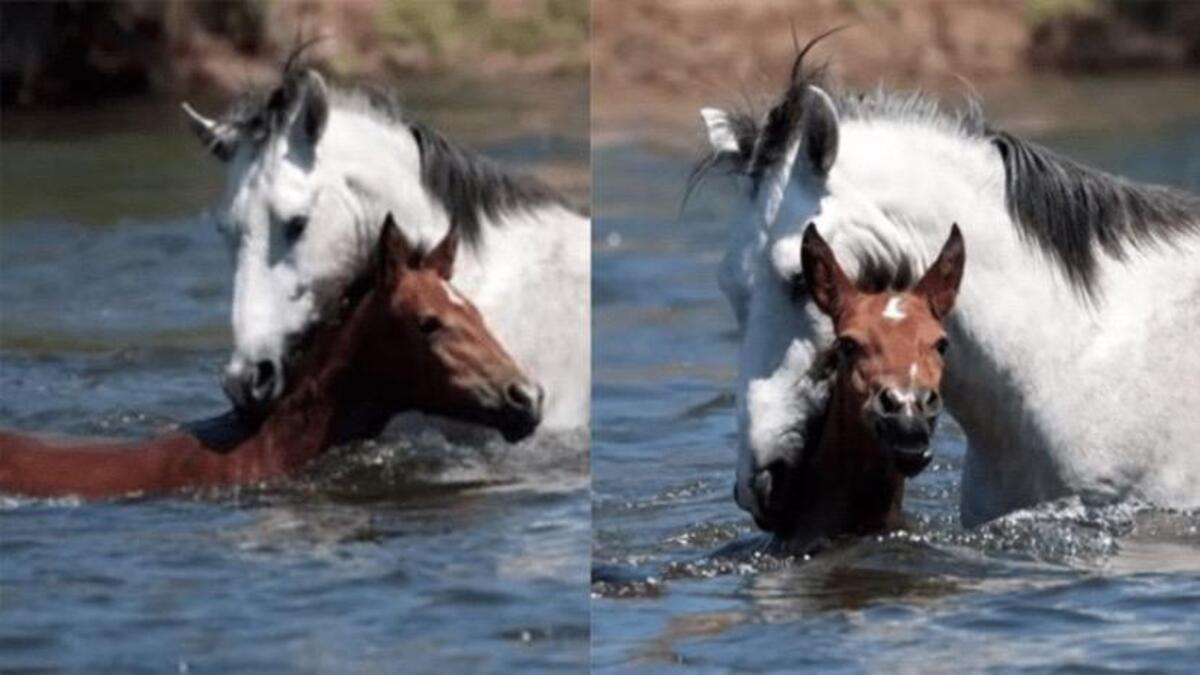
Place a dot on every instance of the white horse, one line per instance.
(1073, 364)
(312, 170)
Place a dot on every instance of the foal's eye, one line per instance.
(941, 345)
(430, 325)
(293, 229)
(848, 348)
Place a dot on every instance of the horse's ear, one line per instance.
(305, 102)
(820, 141)
(827, 283)
(941, 281)
(392, 253)
(218, 138)
(441, 258)
(720, 131)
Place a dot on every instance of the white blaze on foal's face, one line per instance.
(894, 311)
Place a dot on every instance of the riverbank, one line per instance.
(70, 53)
(656, 62)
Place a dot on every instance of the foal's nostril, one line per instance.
(930, 402)
(888, 402)
(525, 397)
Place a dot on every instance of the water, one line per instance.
(414, 553)
(680, 575)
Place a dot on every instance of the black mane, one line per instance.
(1069, 210)
(469, 185)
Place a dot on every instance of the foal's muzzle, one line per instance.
(904, 421)
(252, 386)
(520, 410)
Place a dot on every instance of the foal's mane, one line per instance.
(1065, 209)
(468, 185)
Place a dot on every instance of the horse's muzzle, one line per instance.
(904, 422)
(777, 491)
(252, 388)
(907, 439)
(521, 412)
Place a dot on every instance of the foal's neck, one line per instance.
(305, 421)
(855, 489)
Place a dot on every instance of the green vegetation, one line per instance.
(465, 27)
(1041, 12)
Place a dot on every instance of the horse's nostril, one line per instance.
(264, 377)
(520, 396)
(889, 402)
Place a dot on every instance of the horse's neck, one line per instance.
(382, 162)
(304, 422)
(854, 486)
(386, 162)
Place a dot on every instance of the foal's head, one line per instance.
(886, 369)
(433, 352)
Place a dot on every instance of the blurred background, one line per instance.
(81, 51)
(665, 58)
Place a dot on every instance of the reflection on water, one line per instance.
(680, 575)
(419, 551)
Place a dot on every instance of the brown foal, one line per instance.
(402, 339)
(886, 370)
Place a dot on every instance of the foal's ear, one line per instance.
(941, 280)
(392, 253)
(441, 258)
(827, 283)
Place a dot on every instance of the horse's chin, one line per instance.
(513, 427)
(517, 432)
(250, 417)
(516, 428)
(910, 460)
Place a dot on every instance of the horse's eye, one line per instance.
(941, 345)
(293, 229)
(430, 325)
(848, 348)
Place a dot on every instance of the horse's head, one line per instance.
(884, 373)
(889, 346)
(274, 191)
(307, 186)
(433, 352)
(794, 169)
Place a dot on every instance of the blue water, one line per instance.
(414, 553)
(1063, 586)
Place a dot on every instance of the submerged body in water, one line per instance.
(403, 339)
